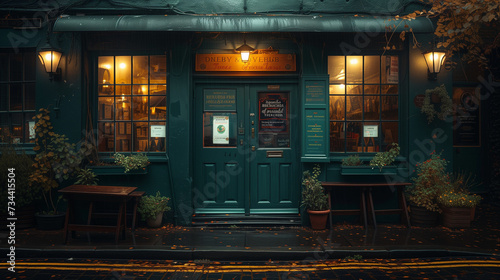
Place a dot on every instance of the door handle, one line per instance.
(253, 148)
(253, 132)
(241, 142)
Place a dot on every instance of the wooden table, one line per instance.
(366, 201)
(111, 194)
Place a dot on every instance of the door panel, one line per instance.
(244, 149)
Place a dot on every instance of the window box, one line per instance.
(117, 170)
(368, 170)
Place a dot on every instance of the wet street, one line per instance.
(351, 267)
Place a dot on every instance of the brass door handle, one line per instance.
(253, 148)
(253, 132)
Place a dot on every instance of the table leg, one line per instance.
(330, 208)
(402, 204)
(124, 219)
(371, 207)
(119, 222)
(134, 214)
(66, 222)
(362, 208)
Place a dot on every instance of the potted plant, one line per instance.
(445, 104)
(86, 176)
(152, 208)
(314, 198)
(56, 160)
(16, 167)
(431, 181)
(380, 164)
(123, 164)
(457, 203)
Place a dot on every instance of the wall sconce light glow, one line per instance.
(354, 61)
(434, 61)
(123, 65)
(245, 51)
(106, 66)
(342, 86)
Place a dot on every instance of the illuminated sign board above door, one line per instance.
(256, 63)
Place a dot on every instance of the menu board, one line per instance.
(315, 131)
(315, 122)
(466, 119)
(273, 112)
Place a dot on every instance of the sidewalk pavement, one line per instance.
(268, 243)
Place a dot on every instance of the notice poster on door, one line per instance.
(220, 130)
(273, 116)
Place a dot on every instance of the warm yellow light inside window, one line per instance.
(123, 65)
(354, 61)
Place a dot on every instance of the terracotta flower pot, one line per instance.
(155, 222)
(421, 217)
(318, 219)
(456, 217)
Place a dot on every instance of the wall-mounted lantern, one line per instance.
(245, 51)
(50, 57)
(434, 60)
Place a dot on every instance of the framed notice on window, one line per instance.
(221, 130)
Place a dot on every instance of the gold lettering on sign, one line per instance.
(257, 62)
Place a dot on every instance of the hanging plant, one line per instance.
(446, 104)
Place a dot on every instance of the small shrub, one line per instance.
(352, 160)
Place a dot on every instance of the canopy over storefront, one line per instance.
(271, 23)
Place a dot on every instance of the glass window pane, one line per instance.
(158, 107)
(354, 69)
(16, 97)
(372, 89)
(215, 121)
(336, 69)
(140, 89)
(337, 138)
(158, 69)
(372, 69)
(390, 108)
(352, 136)
(158, 89)
(140, 108)
(106, 108)
(158, 143)
(123, 136)
(29, 66)
(372, 108)
(123, 71)
(123, 90)
(28, 118)
(390, 89)
(106, 132)
(16, 67)
(355, 89)
(122, 108)
(337, 89)
(106, 66)
(140, 69)
(29, 96)
(389, 134)
(337, 107)
(4, 97)
(141, 134)
(106, 89)
(390, 70)
(4, 67)
(354, 107)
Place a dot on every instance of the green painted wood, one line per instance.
(368, 170)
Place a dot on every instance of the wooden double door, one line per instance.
(245, 149)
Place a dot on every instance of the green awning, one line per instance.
(240, 23)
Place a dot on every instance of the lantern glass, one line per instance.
(50, 60)
(434, 60)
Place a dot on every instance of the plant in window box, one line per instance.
(314, 198)
(386, 158)
(352, 160)
(55, 162)
(445, 104)
(152, 209)
(132, 162)
(429, 184)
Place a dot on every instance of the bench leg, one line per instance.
(362, 208)
(371, 208)
(330, 208)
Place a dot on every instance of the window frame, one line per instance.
(25, 142)
(107, 155)
(402, 103)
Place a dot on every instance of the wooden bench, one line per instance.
(366, 201)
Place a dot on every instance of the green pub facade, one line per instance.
(228, 135)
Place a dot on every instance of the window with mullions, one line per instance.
(132, 100)
(17, 96)
(363, 102)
